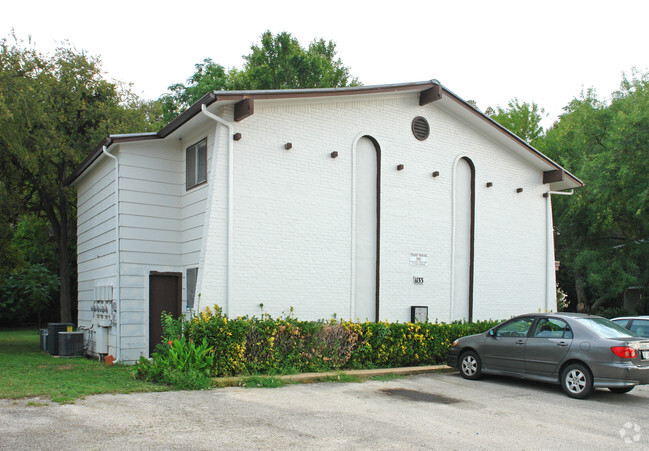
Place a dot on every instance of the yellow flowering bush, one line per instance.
(251, 345)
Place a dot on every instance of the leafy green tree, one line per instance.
(523, 119)
(278, 62)
(26, 292)
(53, 108)
(603, 231)
(209, 76)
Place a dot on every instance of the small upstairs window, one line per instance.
(196, 164)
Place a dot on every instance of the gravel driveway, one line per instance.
(441, 411)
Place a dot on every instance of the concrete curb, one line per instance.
(308, 377)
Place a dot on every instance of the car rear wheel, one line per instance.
(576, 381)
(621, 390)
(470, 365)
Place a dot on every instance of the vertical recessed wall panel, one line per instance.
(463, 233)
(366, 229)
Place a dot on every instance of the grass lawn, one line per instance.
(26, 371)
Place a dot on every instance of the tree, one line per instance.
(52, 109)
(603, 240)
(521, 119)
(278, 62)
(208, 77)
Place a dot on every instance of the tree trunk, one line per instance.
(582, 299)
(64, 261)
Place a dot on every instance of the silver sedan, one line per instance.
(579, 352)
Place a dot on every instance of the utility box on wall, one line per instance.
(101, 340)
(418, 313)
(103, 317)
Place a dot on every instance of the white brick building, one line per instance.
(353, 202)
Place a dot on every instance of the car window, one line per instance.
(551, 328)
(605, 328)
(640, 327)
(621, 322)
(515, 328)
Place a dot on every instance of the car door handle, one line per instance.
(520, 342)
(562, 343)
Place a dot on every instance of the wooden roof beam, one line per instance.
(553, 176)
(430, 95)
(244, 109)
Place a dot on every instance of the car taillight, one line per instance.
(624, 351)
(455, 342)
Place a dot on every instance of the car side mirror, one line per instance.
(492, 333)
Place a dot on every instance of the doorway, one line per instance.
(165, 295)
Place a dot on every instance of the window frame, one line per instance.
(513, 333)
(199, 177)
(191, 283)
(566, 331)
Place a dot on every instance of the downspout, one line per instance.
(230, 196)
(550, 288)
(118, 297)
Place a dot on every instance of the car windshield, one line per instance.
(605, 328)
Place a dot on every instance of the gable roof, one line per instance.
(429, 91)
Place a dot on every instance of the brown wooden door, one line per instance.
(165, 295)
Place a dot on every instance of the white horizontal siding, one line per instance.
(96, 244)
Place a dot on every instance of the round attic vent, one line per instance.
(420, 128)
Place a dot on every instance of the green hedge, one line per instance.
(251, 345)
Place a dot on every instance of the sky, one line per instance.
(546, 52)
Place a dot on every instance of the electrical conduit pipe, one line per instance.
(229, 126)
(118, 297)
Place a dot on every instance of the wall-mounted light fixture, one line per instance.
(399, 167)
(236, 136)
(334, 154)
(519, 190)
(436, 174)
(288, 146)
(490, 184)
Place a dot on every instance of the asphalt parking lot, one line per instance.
(441, 411)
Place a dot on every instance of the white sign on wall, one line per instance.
(417, 259)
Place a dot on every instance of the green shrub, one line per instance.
(250, 345)
(179, 363)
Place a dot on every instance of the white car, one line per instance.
(637, 324)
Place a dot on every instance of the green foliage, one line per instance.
(384, 345)
(264, 382)
(277, 62)
(524, 120)
(27, 291)
(52, 108)
(30, 285)
(32, 239)
(180, 363)
(209, 76)
(280, 62)
(602, 231)
(286, 345)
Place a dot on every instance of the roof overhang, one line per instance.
(429, 91)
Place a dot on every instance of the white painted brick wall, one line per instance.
(292, 213)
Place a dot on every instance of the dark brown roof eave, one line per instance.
(96, 153)
(212, 97)
(511, 135)
(172, 126)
